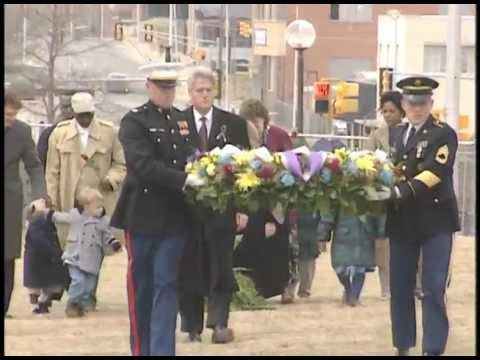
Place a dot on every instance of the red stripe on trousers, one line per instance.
(131, 298)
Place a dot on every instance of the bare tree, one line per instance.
(49, 43)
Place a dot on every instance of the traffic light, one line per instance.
(346, 97)
(118, 32)
(321, 91)
(385, 80)
(148, 32)
(245, 29)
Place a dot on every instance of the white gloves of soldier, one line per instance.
(384, 193)
(193, 180)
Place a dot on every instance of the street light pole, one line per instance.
(300, 35)
(299, 117)
(101, 21)
(24, 52)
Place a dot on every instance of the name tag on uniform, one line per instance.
(421, 149)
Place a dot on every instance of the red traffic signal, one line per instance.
(321, 89)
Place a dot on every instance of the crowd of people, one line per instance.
(97, 188)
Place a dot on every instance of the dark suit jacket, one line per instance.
(156, 146)
(428, 204)
(210, 227)
(19, 146)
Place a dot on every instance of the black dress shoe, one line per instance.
(403, 352)
(222, 335)
(194, 337)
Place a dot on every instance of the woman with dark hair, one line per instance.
(265, 245)
(393, 113)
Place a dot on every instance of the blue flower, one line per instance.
(225, 159)
(287, 179)
(256, 164)
(326, 175)
(352, 168)
(386, 177)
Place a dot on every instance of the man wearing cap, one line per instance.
(422, 215)
(84, 151)
(154, 214)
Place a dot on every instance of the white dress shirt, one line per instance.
(83, 134)
(198, 123)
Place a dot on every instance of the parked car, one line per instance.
(117, 83)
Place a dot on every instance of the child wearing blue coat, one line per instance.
(44, 274)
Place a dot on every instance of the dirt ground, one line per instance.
(319, 325)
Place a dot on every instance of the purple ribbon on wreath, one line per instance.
(293, 165)
(317, 159)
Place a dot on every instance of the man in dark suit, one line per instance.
(153, 212)
(422, 215)
(207, 265)
(19, 146)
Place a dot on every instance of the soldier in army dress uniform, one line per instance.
(153, 211)
(422, 215)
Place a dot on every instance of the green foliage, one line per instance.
(247, 297)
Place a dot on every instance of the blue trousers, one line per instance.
(353, 287)
(436, 252)
(81, 286)
(152, 292)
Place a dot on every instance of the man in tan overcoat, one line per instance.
(84, 151)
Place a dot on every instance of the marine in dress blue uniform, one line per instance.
(154, 213)
(422, 215)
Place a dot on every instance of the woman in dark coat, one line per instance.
(266, 254)
(19, 145)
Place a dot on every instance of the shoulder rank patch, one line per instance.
(442, 155)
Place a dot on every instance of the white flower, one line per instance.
(228, 150)
(263, 154)
(381, 155)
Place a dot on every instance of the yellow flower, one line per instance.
(211, 169)
(205, 161)
(247, 181)
(366, 164)
(189, 168)
(277, 159)
(244, 157)
(341, 154)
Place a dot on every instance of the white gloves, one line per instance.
(384, 193)
(193, 180)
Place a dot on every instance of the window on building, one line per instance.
(347, 68)
(435, 59)
(465, 9)
(351, 12)
(334, 12)
(468, 59)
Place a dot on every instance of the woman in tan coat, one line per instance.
(391, 109)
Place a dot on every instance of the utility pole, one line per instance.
(453, 73)
(191, 29)
(227, 62)
(24, 52)
(138, 23)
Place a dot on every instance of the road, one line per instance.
(316, 326)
